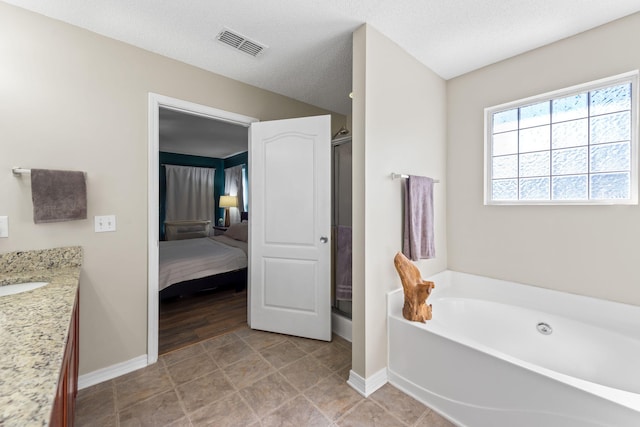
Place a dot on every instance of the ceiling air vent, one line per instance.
(240, 42)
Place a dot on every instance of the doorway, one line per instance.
(272, 146)
(156, 102)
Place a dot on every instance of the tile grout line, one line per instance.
(151, 397)
(424, 415)
(175, 387)
(368, 399)
(228, 379)
(389, 412)
(350, 410)
(278, 372)
(425, 409)
(274, 409)
(249, 406)
(275, 372)
(318, 409)
(327, 366)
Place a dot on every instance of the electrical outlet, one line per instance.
(4, 226)
(105, 223)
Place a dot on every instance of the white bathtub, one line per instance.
(482, 361)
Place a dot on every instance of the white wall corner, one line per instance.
(111, 372)
(341, 326)
(367, 386)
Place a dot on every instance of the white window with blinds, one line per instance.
(573, 146)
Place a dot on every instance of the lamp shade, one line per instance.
(228, 202)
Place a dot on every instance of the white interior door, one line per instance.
(289, 226)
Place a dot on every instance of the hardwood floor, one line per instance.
(191, 319)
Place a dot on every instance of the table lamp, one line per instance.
(227, 202)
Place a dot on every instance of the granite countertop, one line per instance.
(33, 331)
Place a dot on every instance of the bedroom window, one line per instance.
(245, 188)
(573, 146)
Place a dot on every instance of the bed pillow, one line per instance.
(238, 231)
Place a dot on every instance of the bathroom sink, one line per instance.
(20, 287)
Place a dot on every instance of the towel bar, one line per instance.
(17, 171)
(398, 176)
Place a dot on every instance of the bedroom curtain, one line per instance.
(233, 187)
(189, 193)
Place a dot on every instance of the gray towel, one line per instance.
(418, 218)
(58, 195)
(343, 263)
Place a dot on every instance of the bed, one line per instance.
(192, 265)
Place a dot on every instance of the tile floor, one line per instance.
(249, 378)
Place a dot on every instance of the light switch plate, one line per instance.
(105, 223)
(4, 226)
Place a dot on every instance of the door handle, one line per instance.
(324, 239)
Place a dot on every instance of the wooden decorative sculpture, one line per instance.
(416, 290)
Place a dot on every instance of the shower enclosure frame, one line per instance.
(340, 184)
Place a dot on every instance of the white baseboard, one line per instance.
(369, 385)
(111, 372)
(341, 326)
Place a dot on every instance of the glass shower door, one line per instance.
(341, 226)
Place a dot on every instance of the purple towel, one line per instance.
(343, 263)
(418, 218)
(58, 195)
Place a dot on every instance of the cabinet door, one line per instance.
(63, 412)
(57, 414)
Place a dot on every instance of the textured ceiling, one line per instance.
(309, 54)
(184, 133)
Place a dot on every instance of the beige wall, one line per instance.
(591, 250)
(399, 126)
(71, 99)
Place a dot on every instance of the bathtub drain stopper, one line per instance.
(544, 328)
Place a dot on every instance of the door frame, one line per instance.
(153, 198)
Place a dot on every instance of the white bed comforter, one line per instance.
(182, 260)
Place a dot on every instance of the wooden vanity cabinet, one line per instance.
(63, 411)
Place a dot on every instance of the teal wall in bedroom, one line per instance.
(198, 161)
(238, 159)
